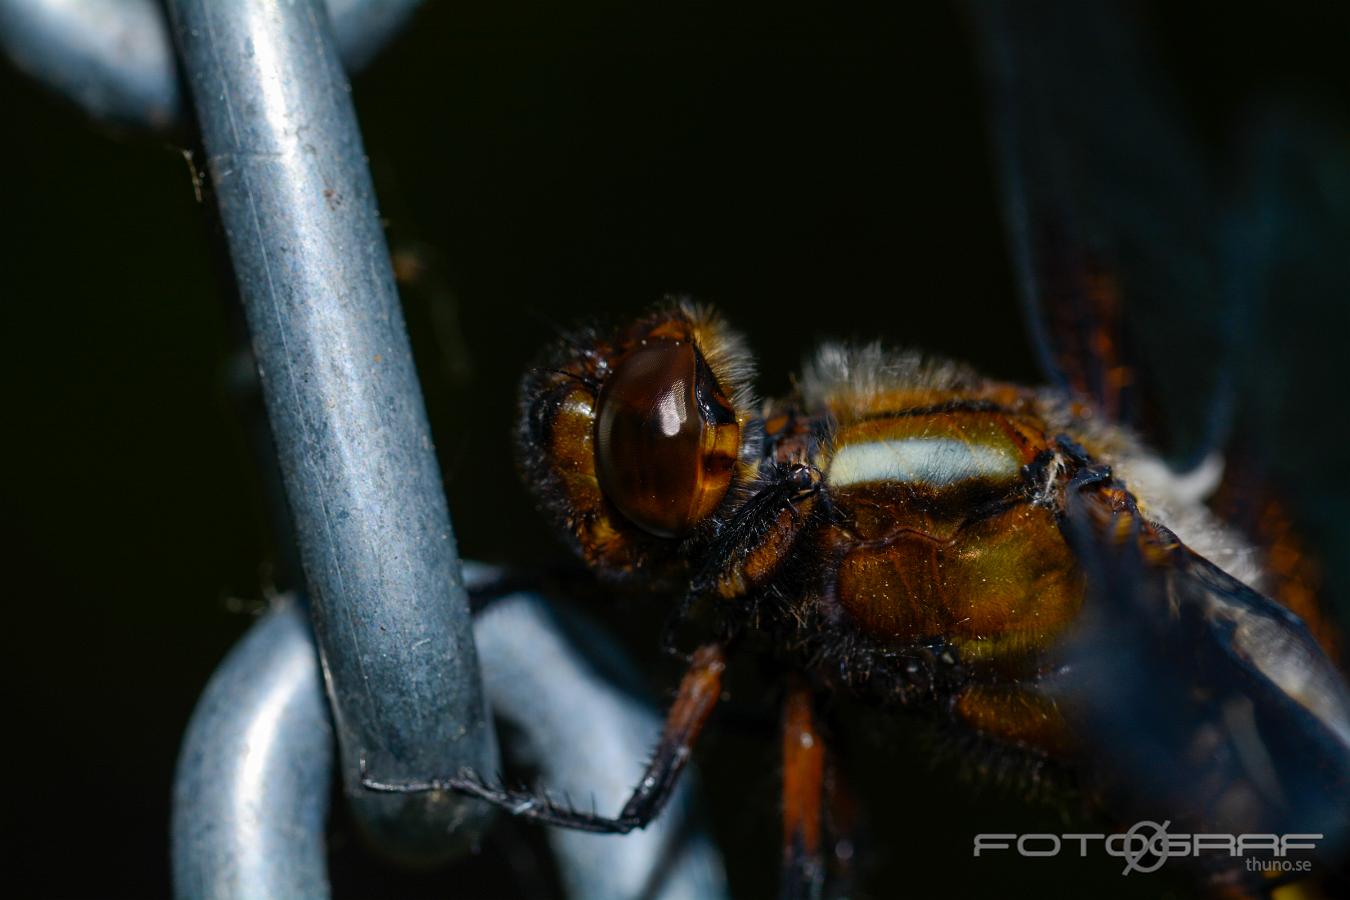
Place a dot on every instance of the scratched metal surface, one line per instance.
(382, 571)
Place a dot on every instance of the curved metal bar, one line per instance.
(250, 794)
(114, 58)
(561, 683)
(251, 788)
(388, 604)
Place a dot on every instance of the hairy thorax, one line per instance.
(940, 527)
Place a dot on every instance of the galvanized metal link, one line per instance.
(288, 169)
(251, 789)
(404, 695)
(250, 795)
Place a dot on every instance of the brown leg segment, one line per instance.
(803, 797)
(698, 694)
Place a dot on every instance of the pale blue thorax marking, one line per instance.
(935, 461)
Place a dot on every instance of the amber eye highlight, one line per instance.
(666, 438)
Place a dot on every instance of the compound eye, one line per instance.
(666, 438)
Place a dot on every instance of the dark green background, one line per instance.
(816, 173)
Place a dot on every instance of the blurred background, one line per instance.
(815, 172)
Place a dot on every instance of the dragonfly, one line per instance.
(1036, 566)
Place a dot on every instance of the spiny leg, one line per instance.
(803, 873)
(698, 694)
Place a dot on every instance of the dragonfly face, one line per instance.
(640, 441)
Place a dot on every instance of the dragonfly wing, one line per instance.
(1115, 233)
(1199, 694)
